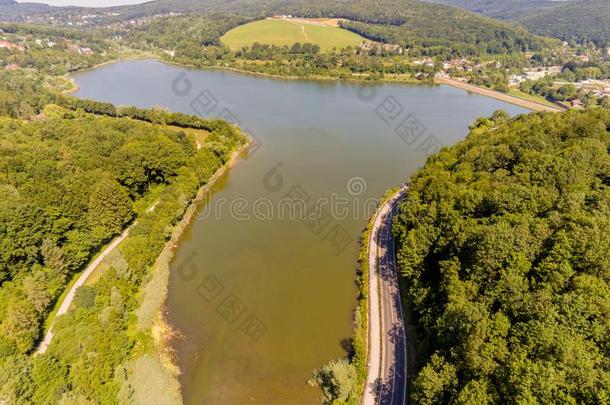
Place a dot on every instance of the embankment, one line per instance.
(529, 104)
(151, 313)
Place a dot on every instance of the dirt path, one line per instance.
(323, 22)
(521, 102)
(304, 33)
(65, 305)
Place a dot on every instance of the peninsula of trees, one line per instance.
(503, 250)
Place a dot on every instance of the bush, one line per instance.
(338, 381)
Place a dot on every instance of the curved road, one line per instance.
(65, 305)
(387, 360)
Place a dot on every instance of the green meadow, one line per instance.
(283, 32)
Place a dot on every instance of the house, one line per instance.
(576, 103)
(426, 62)
(537, 74)
(81, 51)
(516, 80)
(533, 74)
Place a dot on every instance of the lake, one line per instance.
(262, 294)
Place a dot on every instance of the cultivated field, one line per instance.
(276, 31)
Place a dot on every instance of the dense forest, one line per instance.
(23, 94)
(503, 252)
(424, 28)
(500, 9)
(421, 28)
(582, 21)
(195, 40)
(413, 29)
(52, 50)
(73, 176)
(502, 239)
(185, 33)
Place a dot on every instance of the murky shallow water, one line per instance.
(261, 298)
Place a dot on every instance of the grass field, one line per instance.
(286, 32)
(531, 97)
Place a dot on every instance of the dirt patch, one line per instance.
(329, 22)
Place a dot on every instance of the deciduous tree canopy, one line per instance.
(69, 182)
(504, 252)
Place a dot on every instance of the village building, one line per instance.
(537, 74)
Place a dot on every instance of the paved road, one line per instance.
(386, 380)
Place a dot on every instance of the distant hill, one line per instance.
(586, 20)
(12, 11)
(428, 28)
(415, 24)
(579, 20)
(500, 9)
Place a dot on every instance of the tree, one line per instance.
(21, 324)
(109, 206)
(338, 381)
(503, 251)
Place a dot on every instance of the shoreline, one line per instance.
(75, 87)
(314, 78)
(521, 102)
(504, 97)
(152, 313)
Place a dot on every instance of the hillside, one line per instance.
(70, 181)
(423, 28)
(413, 24)
(13, 11)
(503, 251)
(409, 23)
(501, 9)
(586, 20)
(579, 20)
